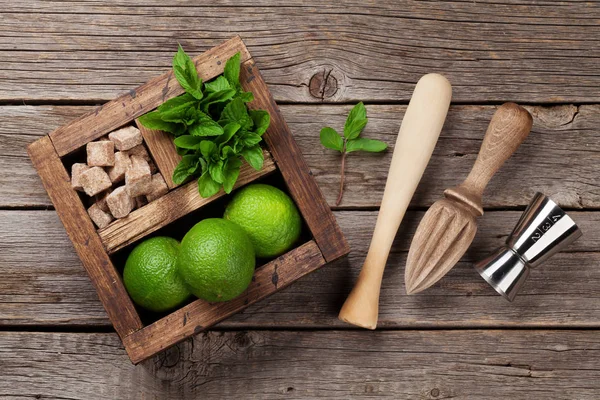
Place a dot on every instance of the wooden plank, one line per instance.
(515, 364)
(83, 235)
(44, 281)
(200, 315)
(559, 157)
(291, 164)
(140, 100)
(44, 284)
(540, 51)
(161, 146)
(168, 208)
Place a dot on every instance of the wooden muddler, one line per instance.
(416, 140)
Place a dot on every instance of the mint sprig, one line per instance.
(351, 141)
(212, 127)
(186, 74)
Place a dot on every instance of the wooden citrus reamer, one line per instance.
(416, 140)
(449, 226)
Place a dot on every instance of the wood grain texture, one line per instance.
(170, 207)
(200, 315)
(539, 51)
(298, 365)
(300, 183)
(161, 146)
(138, 101)
(44, 283)
(83, 235)
(559, 158)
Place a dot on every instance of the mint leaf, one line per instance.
(216, 171)
(204, 125)
(261, 120)
(331, 139)
(232, 74)
(180, 174)
(254, 156)
(202, 164)
(183, 114)
(181, 151)
(216, 97)
(188, 142)
(153, 120)
(232, 71)
(370, 145)
(186, 74)
(176, 102)
(250, 139)
(238, 144)
(206, 128)
(207, 186)
(231, 173)
(246, 97)
(228, 131)
(227, 151)
(218, 84)
(186, 167)
(353, 130)
(208, 149)
(356, 121)
(237, 112)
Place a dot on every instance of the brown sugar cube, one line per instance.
(100, 217)
(140, 201)
(159, 188)
(76, 170)
(138, 178)
(140, 151)
(101, 154)
(126, 138)
(94, 181)
(101, 200)
(119, 202)
(117, 172)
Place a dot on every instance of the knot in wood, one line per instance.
(242, 340)
(435, 392)
(323, 84)
(170, 357)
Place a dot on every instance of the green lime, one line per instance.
(216, 260)
(268, 216)
(151, 277)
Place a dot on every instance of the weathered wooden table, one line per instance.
(457, 340)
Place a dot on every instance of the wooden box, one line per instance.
(97, 248)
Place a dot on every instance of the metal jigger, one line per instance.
(543, 230)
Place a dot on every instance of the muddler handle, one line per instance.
(416, 140)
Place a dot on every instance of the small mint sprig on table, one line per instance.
(212, 126)
(351, 141)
